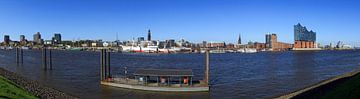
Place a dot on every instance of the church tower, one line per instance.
(239, 40)
(149, 35)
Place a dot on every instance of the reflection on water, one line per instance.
(235, 75)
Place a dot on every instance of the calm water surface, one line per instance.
(233, 75)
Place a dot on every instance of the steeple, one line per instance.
(239, 39)
(149, 35)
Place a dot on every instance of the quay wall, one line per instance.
(321, 87)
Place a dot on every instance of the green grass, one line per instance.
(350, 89)
(9, 90)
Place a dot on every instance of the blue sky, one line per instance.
(193, 20)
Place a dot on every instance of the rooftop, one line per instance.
(163, 72)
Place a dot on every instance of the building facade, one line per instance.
(270, 39)
(259, 46)
(22, 38)
(6, 39)
(37, 38)
(216, 45)
(170, 43)
(273, 44)
(303, 37)
(139, 39)
(57, 38)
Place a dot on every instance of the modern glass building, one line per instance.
(302, 34)
(268, 41)
(57, 38)
(139, 39)
(303, 37)
(37, 38)
(22, 38)
(6, 39)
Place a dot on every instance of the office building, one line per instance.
(22, 38)
(57, 38)
(273, 44)
(270, 40)
(139, 39)
(37, 38)
(6, 39)
(170, 43)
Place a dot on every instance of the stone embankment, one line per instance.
(320, 87)
(34, 87)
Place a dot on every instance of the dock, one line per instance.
(166, 80)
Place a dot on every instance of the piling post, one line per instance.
(50, 59)
(17, 55)
(44, 58)
(104, 65)
(108, 65)
(22, 56)
(207, 63)
(101, 63)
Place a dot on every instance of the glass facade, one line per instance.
(268, 41)
(57, 38)
(302, 34)
(6, 39)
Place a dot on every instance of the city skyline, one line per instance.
(194, 21)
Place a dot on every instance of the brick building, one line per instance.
(274, 45)
(216, 45)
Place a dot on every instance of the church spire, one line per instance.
(149, 35)
(239, 40)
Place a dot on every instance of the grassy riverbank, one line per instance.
(10, 90)
(349, 89)
(345, 86)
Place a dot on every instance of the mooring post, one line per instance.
(104, 69)
(22, 56)
(207, 63)
(108, 65)
(101, 64)
(50, 59)
(17, 55)
(44, 58)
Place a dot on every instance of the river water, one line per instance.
(232, 75)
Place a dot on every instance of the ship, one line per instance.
(247, 50)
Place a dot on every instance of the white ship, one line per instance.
(247, 50)
(217, 51)
(131, 49)
(150, 49)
